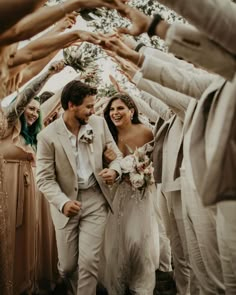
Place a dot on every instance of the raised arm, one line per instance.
(46, 16)
(15, 109)
(177, 101)
(40, 48)
(216, 18)
(187, 42)
(157, 105)
(165, 73)
(12, 11)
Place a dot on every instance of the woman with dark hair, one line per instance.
(131, 245)
(17, 149)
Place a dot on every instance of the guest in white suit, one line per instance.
(71, 176)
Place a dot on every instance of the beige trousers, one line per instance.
(226, 235)
(79, 243)
(200, 228)
(165, 248)
(176, 231)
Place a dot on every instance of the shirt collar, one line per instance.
(82, 130)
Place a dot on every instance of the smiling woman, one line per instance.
(31, 122)
(18, 145)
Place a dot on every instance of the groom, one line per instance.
(71, 176)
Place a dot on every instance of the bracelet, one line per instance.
(62, 8)
(152, 27)
(139, 46)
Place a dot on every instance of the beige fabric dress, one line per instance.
(21, 201)
(46, 250)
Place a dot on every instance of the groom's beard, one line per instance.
(81, 121)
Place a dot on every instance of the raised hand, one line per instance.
(88, 37)
(128, 68)
(140, 21)
(112, 4)
(116, 45)
(57, 66)
(66, 23)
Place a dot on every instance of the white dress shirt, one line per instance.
(84, 169)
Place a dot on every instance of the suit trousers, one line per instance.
(226, 234)
(165, 248)
(79, 243)
(200, 228)
(182, 269)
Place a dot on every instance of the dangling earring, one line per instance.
(131, 118)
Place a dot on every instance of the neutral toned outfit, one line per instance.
(164, 156)
(61, 177)
(20, 190)
(157, 105)
(5, 237)
(201, 258)
(215, 18)
(187, 42)
(212, 140)
(46, 249)
(131, 245)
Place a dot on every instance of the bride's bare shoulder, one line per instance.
(144, 133)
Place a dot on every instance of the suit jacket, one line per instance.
(176, 101)
(165, 153)
(157, 105)
(56, 172)
(187, 42)
(213, 140)
(171, 76)
(195, 177)
(215, 18)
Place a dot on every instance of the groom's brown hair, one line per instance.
(75, 92)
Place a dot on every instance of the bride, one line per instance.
(131, 246)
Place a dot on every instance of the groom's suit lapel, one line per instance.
(66, 144)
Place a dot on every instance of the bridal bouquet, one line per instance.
(137, 168)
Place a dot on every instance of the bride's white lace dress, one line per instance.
(130, 253)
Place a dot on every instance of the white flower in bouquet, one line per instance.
(142, 163)
(137, 180)
(139, 153)
(148, 174)
(128, 164)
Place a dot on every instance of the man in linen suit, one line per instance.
(71, 176)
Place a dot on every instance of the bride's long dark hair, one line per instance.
(128, 101)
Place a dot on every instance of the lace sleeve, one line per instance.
(15, 109)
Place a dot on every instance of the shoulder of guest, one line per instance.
(49, 130)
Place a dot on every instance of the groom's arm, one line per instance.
(46, 174)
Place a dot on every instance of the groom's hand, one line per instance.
(71, 208)
(108, 175)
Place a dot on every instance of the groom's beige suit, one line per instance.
(79, 238)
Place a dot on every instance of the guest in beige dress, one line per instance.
(18, 145)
